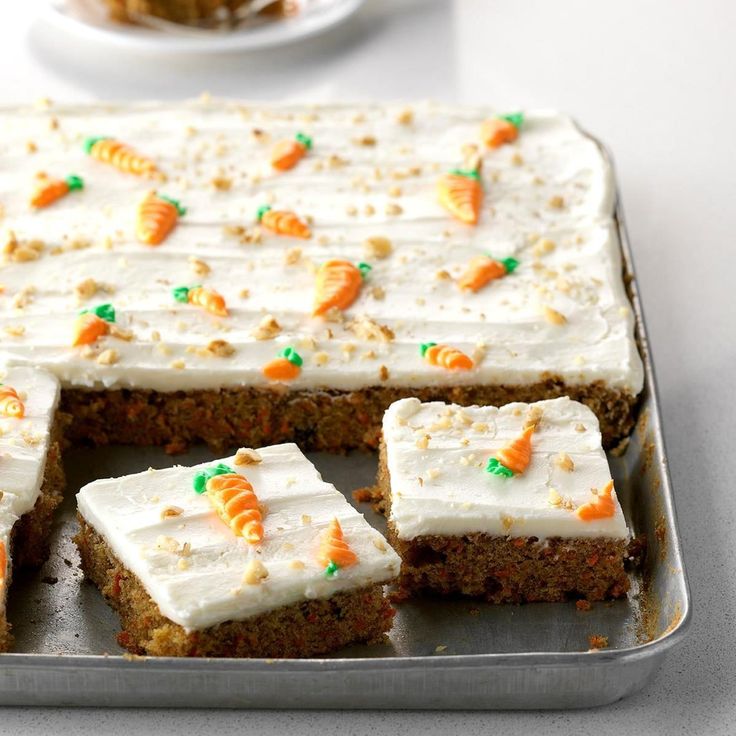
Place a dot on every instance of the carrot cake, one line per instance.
(187, 12)
(252, 274)
(31, 475)
(251, 556)
(511, 504)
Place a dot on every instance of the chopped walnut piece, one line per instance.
(553, 316)
(366, 329)
(377, 246)
(442, 275)
(198, 266)
(423, 442)
(108, 357)
(14, 331)
(543, 246)
(296, 565)
(378, 293)
(86, 289)
(333, 314)
(170, 511)
(533, 417)
(554, 498)
(393, 209)
(365, 140)
(292, 256)
(321, 358)
(267, 328)
(221, 183)
(564, 462)
(405, 117)
(167, 544)
(255, 572)
(336, 162)
(579, 427)
(121, 333)
(383, 374)
(247, 456)
(517, 159)
(20, 252)
(557, 202)
(218, 349)
(177, 365)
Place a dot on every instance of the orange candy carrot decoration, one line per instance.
(234, 500)
(286, 367)
(120, 155)
(602, 507)
(50, 190)
(461, 194)
(10, 403)
(283, 222)
(484, 269)
(444, 356)
(208, 299)
(157, 217)
(501, 129)
(338, 284)
(514, 458)
(287, 154)
(334, 551)
(91, 324)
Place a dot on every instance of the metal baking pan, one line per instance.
(442, 654)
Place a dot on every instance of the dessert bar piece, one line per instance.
(31, 475)
(254, 274)
(251, 556)
(510, 504)
(181, 11)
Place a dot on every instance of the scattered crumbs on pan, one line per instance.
(474, 611)
(583, 605)
(597, 642)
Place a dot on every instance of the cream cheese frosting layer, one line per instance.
(193, 566)
(437, 454)
(24, 442)
(549, 202)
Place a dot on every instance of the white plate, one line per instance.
(88, 19)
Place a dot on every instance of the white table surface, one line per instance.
(652, 78)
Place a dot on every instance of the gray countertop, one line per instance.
(652, 79)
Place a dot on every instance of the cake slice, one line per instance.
(31, 475)
(510, 504)
(251, 556)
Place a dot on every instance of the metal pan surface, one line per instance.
(442, 654)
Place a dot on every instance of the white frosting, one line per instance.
(207, 587)
(502, 326)
(24, 444)
(444, 488)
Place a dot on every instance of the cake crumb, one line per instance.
(379, 544)
(255, 572)
(597, 641)
(296, 565)
(306, 519)
(583, 605)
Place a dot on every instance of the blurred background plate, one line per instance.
(88, 20)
